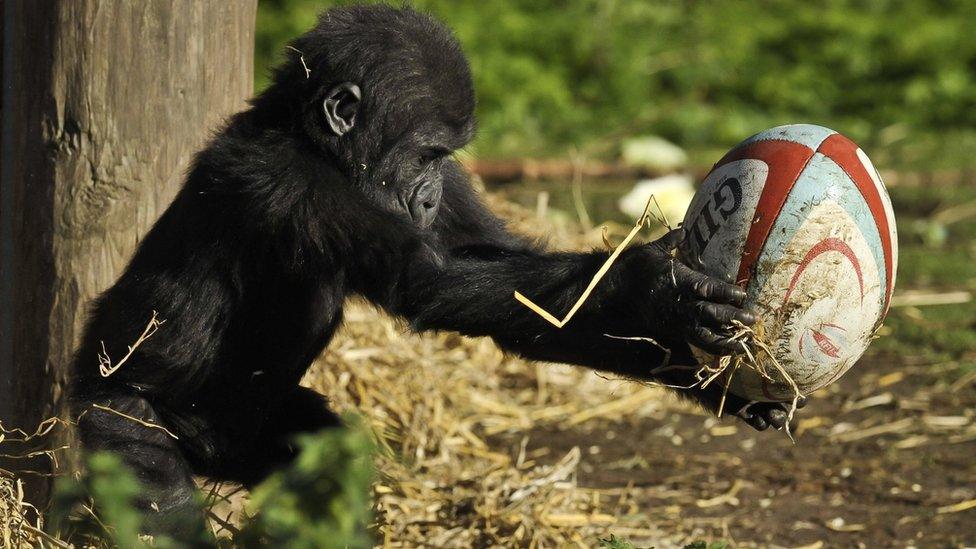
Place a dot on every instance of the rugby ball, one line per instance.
(799, 217)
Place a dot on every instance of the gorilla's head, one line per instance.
(387, 94)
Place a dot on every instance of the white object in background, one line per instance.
(673, 192)
(653, 153)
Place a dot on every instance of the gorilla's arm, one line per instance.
(463, 276)
(484, 264)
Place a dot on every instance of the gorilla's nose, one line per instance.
(424, 203)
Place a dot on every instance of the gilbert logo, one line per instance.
(724, 202)
(827, 346)
(823, 341)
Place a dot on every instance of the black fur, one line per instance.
(280, 220)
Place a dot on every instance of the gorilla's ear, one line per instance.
(340, 105)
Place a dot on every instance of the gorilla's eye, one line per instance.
(431, 155)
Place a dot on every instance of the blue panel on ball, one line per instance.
(805, 134)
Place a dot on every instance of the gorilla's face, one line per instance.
(387, 95)
(397, 146)
(407, 177)
(417, 180)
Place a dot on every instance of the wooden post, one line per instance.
(104, 104)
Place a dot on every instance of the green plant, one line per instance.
(100, 504)
(97, 509)
(322, 500)
(613, 543)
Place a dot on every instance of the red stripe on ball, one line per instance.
(785, 159)
(843, 152)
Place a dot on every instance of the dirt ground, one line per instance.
(879, 461)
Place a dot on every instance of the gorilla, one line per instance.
(339, 181)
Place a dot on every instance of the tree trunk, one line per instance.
(104, 103)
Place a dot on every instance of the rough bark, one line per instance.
(104, 103)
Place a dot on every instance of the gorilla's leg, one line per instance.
(249, 460)
(155, 458)
(216, 445)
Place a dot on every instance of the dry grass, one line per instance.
(436, 399)
(19, 522)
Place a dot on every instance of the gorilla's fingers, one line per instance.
(758, 423)
(761, 415)
(707, 287)
(719, 315)
(777, 417)
(671, 240)
(753, 418)
(711, 342)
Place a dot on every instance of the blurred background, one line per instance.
(896, 76)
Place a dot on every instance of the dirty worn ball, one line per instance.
(799, 216)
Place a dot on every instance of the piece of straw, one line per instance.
(105, 366)
(642, 221)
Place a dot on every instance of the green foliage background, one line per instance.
(550, 75)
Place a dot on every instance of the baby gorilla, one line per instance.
(339, 181)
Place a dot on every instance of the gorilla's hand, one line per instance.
(762, 414)
(688, 306)
(681, 305)
(759, 415)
